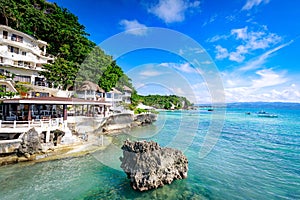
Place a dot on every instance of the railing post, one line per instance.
(15, 124)
(0, 123)
(41, 123)
(47, 139)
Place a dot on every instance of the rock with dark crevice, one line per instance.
(149, 166)
(30, 144)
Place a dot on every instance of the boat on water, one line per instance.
(266, 114)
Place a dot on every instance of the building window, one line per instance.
(26, 79)
(16, 38)
(27, 64)
(5, 34)
(1, 59)
(20, 63)
(23, 53)
(108, 95)
(13, 49)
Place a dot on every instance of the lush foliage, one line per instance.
(4, 93)
(47, 21)
(66, 37)
(77, 58)
(61, 73)
(162, 102)
(93, 66)
(110, 76)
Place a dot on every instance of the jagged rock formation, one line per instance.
(149, 166)
(125, 121)
(145, 119)
(31, 143)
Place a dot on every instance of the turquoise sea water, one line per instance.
(254, 158)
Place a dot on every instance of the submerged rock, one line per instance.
(149, 166)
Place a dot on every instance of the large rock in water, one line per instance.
(149, 166)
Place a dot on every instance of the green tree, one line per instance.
(93, 66)
(61, 73)
(66, 37)
(76, 56)
(110, 76)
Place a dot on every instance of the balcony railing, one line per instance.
(41, 83)
(127, 94)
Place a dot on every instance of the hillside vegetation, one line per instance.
(67, 41)
(164, 101)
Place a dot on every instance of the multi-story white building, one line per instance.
(114, 97)
(127, 95)
(23, 56)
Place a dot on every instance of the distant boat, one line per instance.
(210, 109)
(248, 113)
(266, 114)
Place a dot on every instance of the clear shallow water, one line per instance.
(254, 158)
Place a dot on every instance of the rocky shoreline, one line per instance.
(116, 123)
(30, 146)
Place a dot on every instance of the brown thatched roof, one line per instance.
(127, 88)
(88, 85)
(114, 90)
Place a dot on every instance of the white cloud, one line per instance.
(250, 41)
(133, 27)
(190, 51)
(217, 38)
(206, 62)
(236, 56)
(184, 67)
(240, 33)
(173, 10)
(148, 73)
(221, 52)
(211, 20)
(262, 85)
(260, 60)
(251, 3)
(268, 78)
(244, 94)
(288, 94)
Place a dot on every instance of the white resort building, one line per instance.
(127, 95)
(21, 59)
(22, 56)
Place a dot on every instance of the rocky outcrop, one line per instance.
(117, 122)
(124, 121)
(149, 166)
(31, 143)
(145, 119)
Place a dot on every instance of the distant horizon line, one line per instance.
(252, 102)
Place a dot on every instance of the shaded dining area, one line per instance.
(45, 108)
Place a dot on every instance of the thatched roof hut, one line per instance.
(126, 88)
(88, 85)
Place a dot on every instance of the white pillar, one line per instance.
(48, 135)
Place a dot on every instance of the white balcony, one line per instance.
(127, 94)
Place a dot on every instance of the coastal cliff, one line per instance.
(149, 166)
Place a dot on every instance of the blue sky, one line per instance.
(253, 43)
